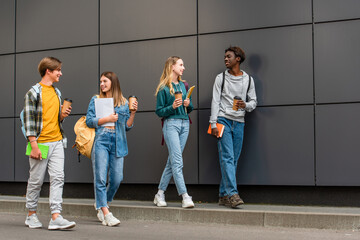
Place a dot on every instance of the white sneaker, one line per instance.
(60, 223)
(110, 220)
(100, 214)
(33, 221)
(159, 200)
(188, 203)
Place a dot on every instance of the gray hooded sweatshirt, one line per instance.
(221, 104)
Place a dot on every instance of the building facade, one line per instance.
(302, 54)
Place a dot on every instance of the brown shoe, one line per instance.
(224, 201)
(235, 200)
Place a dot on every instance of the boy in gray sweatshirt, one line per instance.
(234, 83)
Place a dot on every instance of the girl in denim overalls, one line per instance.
(110, 145)
(175, 129)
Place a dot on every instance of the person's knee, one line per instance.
(35, 185)
(100, 182)
(177, 168)
(57, 179)
(227, 158)
(117, 180)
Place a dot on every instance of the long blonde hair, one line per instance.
(166, 76)
(116, 92)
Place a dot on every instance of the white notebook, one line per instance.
(103, 108)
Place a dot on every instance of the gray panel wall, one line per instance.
(329, 10)
(7, 26)
(278, 148)
(21, 163)
(54, 24)
(7, 149)
(277, 80)
(303, 56)
(147, 157)
(137, 19)
(79, 81)
(143, 77)
(337, 61)
(338, 144)
(7, 84)
(227, 15)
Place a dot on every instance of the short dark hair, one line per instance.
(50, 63)
(238, 52)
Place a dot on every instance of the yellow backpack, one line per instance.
(84, 138)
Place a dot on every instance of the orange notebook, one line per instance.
(219, 126)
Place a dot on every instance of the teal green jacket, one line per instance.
(164, 101)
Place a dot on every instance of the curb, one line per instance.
(293, 217)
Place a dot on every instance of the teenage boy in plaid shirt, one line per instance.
(42, 122)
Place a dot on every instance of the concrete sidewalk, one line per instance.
(248, 214)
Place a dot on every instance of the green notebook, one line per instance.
(44, 149)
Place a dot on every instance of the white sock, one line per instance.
(161, 192)
(185, 195)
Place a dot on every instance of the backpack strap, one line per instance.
(187, 89)
(36, 88)
(222, 84)
(78, 156)
(247, 91)
(186, 86)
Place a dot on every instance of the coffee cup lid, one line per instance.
(178, 92)
(67, 99)
(133, 96)
(237, 98)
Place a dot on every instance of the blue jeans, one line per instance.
(104, 161)
(176, 132)
(229, 146)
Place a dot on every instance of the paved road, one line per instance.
(12, 227)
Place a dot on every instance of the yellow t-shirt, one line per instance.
(51, 105)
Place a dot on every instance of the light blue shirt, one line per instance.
(120, 126)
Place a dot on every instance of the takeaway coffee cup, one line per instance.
(67, 103)
(178, 95)
(132, 99)
(236, 99)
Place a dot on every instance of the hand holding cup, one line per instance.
(66, 108)
(238, 103)
(178, 100)
(133, 103)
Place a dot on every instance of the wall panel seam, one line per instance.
(338, 20)
(14, 112)
(314, 92)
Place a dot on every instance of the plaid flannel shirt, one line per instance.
(33, 122)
